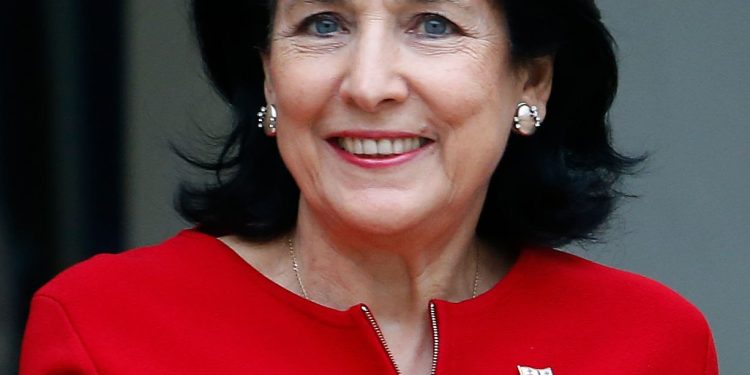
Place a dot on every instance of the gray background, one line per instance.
(683, 98)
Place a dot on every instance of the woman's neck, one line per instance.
(396, 274)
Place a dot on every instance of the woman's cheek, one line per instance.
(452, 88)
(304, 87)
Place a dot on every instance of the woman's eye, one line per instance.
(433, 25)
(323, 24)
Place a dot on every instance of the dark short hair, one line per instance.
(557, 186)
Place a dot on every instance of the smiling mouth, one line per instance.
(380, 147)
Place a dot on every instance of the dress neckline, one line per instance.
(504, 288)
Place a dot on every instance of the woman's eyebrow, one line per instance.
(292, 4)
(319, 1)
(459, 3)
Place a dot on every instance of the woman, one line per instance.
(417, 159)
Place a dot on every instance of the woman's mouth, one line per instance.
(375, 151)
(380, 147)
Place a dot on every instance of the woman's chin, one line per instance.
(378, 209)
(377, 218)
(390, 220)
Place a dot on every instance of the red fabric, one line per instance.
(192, 306)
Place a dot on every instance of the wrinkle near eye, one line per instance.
(470, 46)
(450, 48)
(297, 48)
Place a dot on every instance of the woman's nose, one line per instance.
(374, 77)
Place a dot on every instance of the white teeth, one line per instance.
(385, 147)
(411, 143)
(370, 147)
(380, 146)
(398, 146)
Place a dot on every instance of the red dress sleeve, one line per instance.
(51, 344)
(712, 363)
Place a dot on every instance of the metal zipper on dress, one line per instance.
(376, 328)
(381, 337)
(435, 338)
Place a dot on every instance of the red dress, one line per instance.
(192, 306)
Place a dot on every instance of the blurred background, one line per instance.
(92, 93)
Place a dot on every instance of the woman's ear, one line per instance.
(268, 89)
(537, 82)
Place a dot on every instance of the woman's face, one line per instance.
(393, 113)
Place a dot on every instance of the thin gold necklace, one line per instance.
(296, 269)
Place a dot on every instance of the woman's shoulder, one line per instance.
(591, 288)
(588, 302)
(189, 253)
